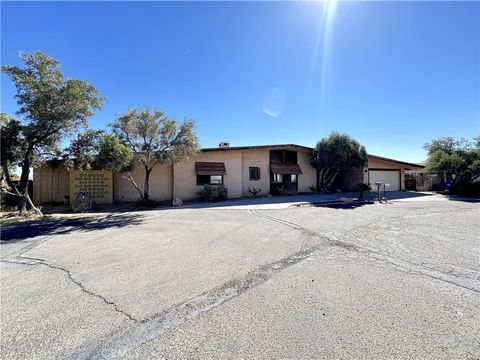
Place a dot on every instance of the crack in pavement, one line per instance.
(465, 282)
(17, 262)
(129, 339)
(19, 255)
(38, 261)
(89, 292)
(140, 333)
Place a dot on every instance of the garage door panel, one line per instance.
(391, 177)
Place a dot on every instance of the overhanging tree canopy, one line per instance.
(460, 158)
(50, 106)
(335, 153)
(154, 139)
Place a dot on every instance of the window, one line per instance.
(291, 178)
(254, 173)
(209, 179)
(287, 178)
(283, 156)
(290, 157)
(277, 178)
(216, 179)
(276, 156)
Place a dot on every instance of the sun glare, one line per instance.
(323, 45)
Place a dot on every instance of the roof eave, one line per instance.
(411, 165)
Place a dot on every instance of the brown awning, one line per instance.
(285, 169)
(210, 168)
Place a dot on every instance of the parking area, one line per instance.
(261, 279)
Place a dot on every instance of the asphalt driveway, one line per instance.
(395, 280)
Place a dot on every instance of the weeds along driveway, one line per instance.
(379, 280)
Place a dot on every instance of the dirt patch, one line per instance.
(17, 216)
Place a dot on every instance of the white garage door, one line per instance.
(391, 177)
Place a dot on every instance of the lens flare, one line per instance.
(323, 44)
(275, 102)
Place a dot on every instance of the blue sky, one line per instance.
(391, 74)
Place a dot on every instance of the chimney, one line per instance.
(224, 144)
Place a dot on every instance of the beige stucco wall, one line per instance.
(166, 182)
(237, 163)
(185, 183)
(307, 179)
(51, 184)
(160, 184)
(256, 158)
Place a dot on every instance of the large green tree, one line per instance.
(154, 139)
(459, 159)
(83, 150)
(333, 154)
(50, 107)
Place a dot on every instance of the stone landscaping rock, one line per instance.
(83, 202)
(177, 202)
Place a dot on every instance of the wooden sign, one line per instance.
(97, 183)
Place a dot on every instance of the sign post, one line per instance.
(384, 192)
(378, 184)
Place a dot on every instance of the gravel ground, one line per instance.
(397, 280)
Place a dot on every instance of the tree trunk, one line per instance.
(332, 178)
(321, 178)
(22, 187)
(32, 206)
(21, 203)
(146, 197)
(129, 177)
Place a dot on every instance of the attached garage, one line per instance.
(391, 176)
(388, 171)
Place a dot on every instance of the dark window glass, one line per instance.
(291, 178)
(283, 156)
(203, 179)
(254, 173)
(209, 179)
(290, 156)
(276, 156)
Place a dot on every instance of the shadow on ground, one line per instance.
(344, 205)
(55, 226)
(334, 200)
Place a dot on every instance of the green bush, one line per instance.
(281, 190)
(222, 192)
(254, 191)
(206, 193)
(213, 193)
(361, 188)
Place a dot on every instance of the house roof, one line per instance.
(295, 146)
(258, 147)
(411, 165)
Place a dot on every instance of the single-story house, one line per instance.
(265, 167)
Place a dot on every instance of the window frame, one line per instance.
(277, 179)
(209, 180)
(250, 178)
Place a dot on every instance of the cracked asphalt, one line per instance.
(398, 280)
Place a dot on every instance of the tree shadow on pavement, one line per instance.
(57, 226)
(344, 205)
